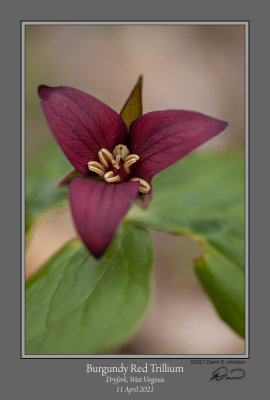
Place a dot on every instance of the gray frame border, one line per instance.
(139, 356)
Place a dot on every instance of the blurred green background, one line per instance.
(199, 68)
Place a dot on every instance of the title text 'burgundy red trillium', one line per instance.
(121, 162)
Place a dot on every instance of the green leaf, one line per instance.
(42, 177)
(132, 108)
(202, 196)
(78, 305)
(224, 283)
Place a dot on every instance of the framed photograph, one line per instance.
(136, 211)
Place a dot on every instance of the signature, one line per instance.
(223, 373)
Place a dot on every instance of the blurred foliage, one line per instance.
(78, 305)
(42, 176)
(203, 197)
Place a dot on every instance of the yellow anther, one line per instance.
(114, 179)
(115, 162)
(105, 157)
(108, 174)
(129, 160)
(144, 187)
(96, 164)
(110, 177)
(132, 156)
(96, 167)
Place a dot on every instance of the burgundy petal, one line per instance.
(98, 208)
(81, 124)
(161, 138)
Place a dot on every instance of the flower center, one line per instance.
(115, 167)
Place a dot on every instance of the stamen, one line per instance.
(108, 174)
(115, 162)
(129, 160)
(96, 164)
(105, 157)
(144, 186)
(110, 177)
(96, 167)
(132, 156)
(115, 178)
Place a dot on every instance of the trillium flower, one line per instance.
(116, 162)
